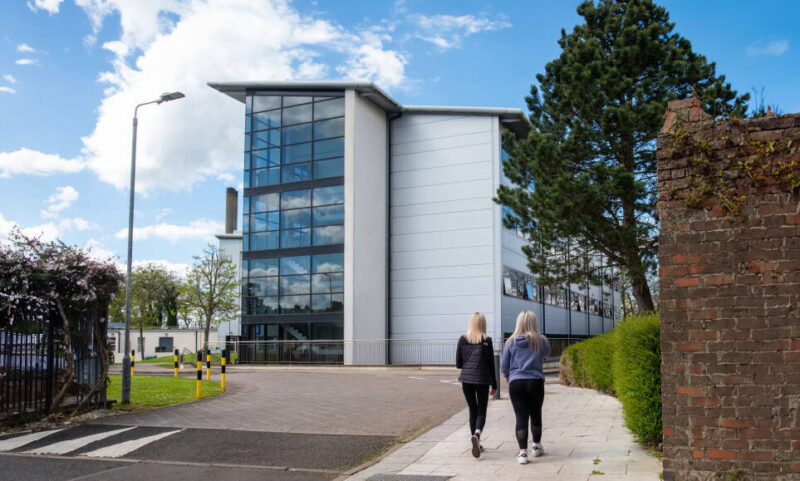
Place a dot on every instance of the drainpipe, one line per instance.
(389, 120)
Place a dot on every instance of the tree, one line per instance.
(211, 289)
(154, 298)
(586, 173)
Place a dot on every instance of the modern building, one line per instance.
(365, 219)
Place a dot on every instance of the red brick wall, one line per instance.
(729, 296)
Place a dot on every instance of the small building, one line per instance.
(158, 342)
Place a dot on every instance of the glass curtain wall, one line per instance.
(293, 216)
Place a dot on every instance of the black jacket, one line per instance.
(476, 362)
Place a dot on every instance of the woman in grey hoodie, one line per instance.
(522, 366)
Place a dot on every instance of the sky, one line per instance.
(71, 72)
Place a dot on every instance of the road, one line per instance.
(271, 424)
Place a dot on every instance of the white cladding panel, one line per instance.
(443, 256)
(365, 221)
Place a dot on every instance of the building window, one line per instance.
(292, 139)
(292, 285)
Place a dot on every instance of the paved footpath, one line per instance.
(584, 439)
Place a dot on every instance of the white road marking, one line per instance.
(420, 378)
(71, 445)
(19, 441)
(123, 448)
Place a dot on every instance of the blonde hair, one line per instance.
(527, 326)
(476, 332)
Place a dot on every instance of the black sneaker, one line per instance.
(476, 447)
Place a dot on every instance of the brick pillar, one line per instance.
(729, 267)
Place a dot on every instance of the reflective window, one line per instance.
(293, 285)
(263, 177)
(326, 129)
(295, 238)
(295, 265)
(329, 195)
(329, 168)
(296, 172)
(296, 134)
(259, 287)
(294, 199)
(265, 139)
(295, 304)
(324, 149)
(263, 267)
(263, 241)
(266, 120)
(265, 158)
(332, 234)
(333, 214)
(329, 108)
(264, 202)
(297, 153)
(288, 101)
(297, 115)
(266, 102)
(328, 263)
(295, 218)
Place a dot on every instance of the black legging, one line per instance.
(477, 396)
(527, 396)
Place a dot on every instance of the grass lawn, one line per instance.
(149, 392)
(189, 359)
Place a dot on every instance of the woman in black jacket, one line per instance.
(475, 358)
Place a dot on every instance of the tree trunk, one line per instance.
(208, 326)
(69, 375)
(641, 291)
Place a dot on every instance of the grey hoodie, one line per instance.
(520, 361)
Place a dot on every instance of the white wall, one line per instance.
(191, 339)
(365, 220)
(231, 245)
(443, 259)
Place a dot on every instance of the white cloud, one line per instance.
(47, 232)
(775, 48)
(163, 213)
(181, 45)
(26, 161)
(27, 61)
(7, 90)
(447, 31)
(51, 6)
(9, 78)
(202, 229)
(62, 198)
(174, 267)
(25, 48)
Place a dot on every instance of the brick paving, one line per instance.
(355, 401)
(580, 427)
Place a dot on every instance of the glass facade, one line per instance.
(293, 217)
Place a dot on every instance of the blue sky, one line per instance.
(72, 70)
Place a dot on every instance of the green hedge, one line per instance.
(625, 361)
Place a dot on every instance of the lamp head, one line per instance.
(166, 97)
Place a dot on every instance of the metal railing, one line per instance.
(378, 352)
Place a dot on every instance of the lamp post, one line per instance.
(126, 359)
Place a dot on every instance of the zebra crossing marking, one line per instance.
(69, 445)
(125, 447)
(19, 441)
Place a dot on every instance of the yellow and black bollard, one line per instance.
(176, 362)
(133, 361)
(222, 374)
(208, 364)
(199, 377)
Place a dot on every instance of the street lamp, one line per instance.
(126, 359)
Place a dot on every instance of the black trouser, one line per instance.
(477, 399)
(527, 396)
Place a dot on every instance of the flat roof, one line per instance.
(512, 119)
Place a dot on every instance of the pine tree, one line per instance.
(586, 173)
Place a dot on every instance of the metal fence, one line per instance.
(402, 352)
(32, 363)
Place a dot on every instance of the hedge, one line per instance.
(625, 362)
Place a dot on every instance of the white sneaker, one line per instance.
(522, 458)
(537, 450)
(482, 450)
(476, 447)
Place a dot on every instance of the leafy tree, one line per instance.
(211, 289)
(154, 298)
(587, 170)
